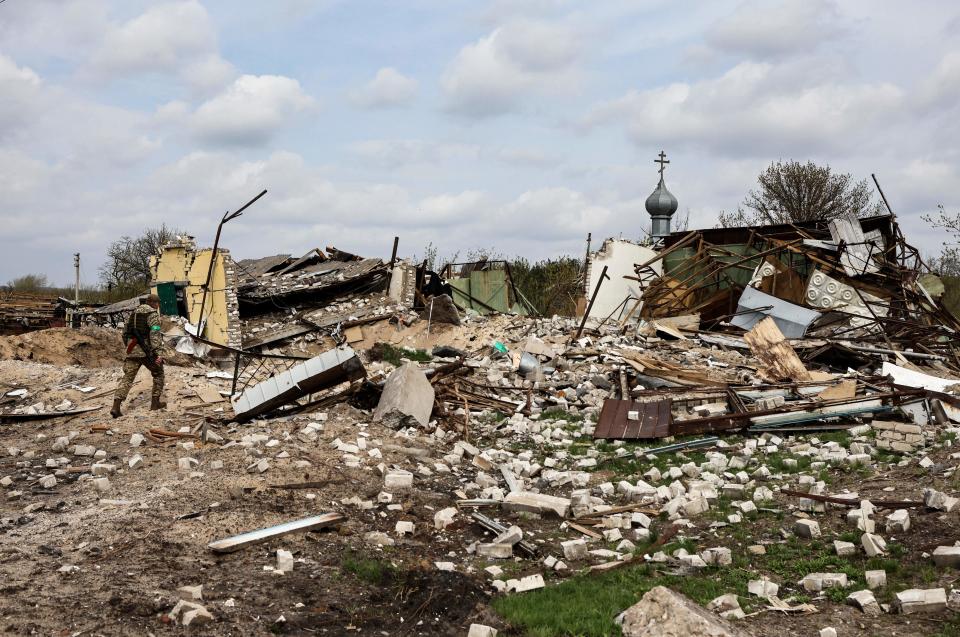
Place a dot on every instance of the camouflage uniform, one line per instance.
(146, 320)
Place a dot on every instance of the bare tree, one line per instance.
(791, 192)
(128, 258)
(948, 261)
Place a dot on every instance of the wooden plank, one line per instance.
(845, 389)
(777, 359)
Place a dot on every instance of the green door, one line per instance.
(168, 298)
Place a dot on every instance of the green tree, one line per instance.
(551, 285)
(29, 283)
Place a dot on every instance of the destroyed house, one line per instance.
(221, 297)
(846, 277)
(485, 286)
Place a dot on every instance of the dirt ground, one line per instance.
(76, 561)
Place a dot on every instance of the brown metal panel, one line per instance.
(654, 420)
(634, 428)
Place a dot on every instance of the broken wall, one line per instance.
(186, 267)
(620, 256)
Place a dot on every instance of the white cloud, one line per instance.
(20, 88)
(771, 29)
(756, 108)
(172, 37)
(389, 88)
(492, 76)
(250, 111)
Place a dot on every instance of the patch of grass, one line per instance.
(776, 462)
(372, 571)
(949, 628)
(841, 437)
(586, 605)
(794, 559)
(395, 355)
(556, 413)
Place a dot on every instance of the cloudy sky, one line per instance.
(515, 124)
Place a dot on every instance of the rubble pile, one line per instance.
(359, 442)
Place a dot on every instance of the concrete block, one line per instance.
(407, 392)
(873, 545)
(844, 549)
(815, 582)
(947, 556)
(574, 549)
(938, 500)
(524, 584)
(509, 537)
(404, 527)
(865, 601)
(762, 587)
(719, 556)
(536, 503)
(135, 462)
(495, 551)
(696, 506)
(898, 521)
(875, 579)
(444, 517)
(48, 482)
(919, 600)
(189, 613)
(192, 593)
(398, 480)
(806, 528)
(101, 484)
(481, 630)
(284, 561)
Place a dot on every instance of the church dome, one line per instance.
(661, 202)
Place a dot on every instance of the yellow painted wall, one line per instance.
(180, 264)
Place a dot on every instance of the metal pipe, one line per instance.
(586, 314)
(227, 216)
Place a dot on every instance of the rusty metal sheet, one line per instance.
(653, 420)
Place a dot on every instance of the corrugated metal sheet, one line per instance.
(652, 420)
(326, 370)
(792, 320)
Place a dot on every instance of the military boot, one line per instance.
(115, 412)
(156, 403)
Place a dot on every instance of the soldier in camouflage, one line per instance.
(144, 344)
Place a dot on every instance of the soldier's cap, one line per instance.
(151, 298)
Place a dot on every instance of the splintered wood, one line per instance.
(777, 360)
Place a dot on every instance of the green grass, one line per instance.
(372, 571)
(776, 463)
(841, 437)
(556, 413)
(586, 605)
(395, 355)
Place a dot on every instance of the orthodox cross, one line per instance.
(662, 161)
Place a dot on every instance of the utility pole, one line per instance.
(76, 288)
